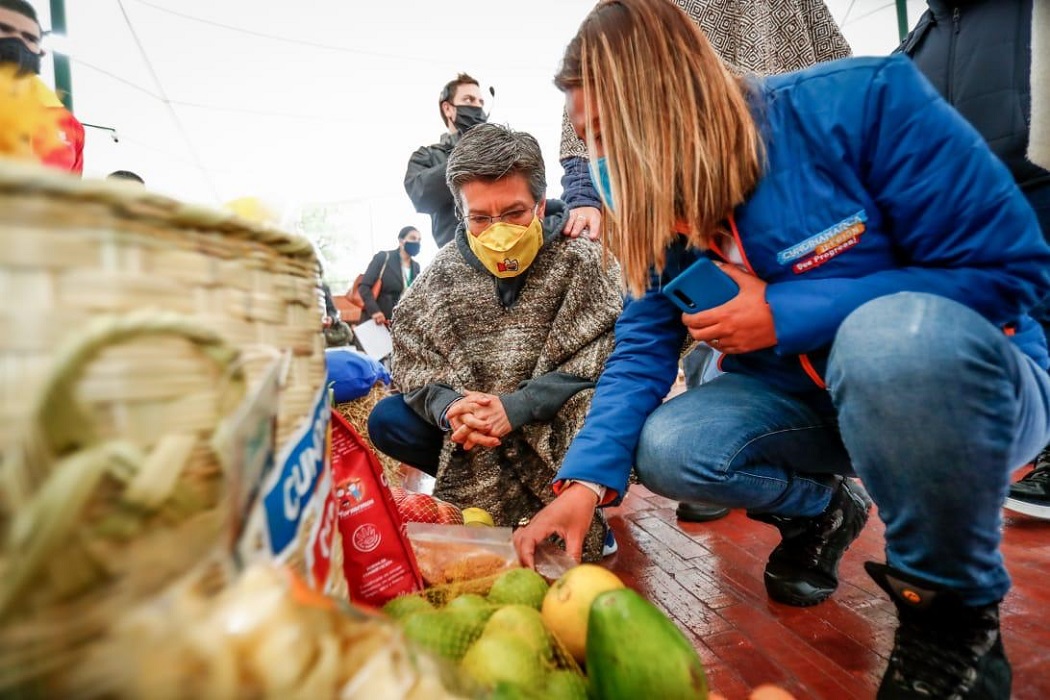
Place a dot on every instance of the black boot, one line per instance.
(700, 512)
(943, 648)
(1031, 495)
(804, 568)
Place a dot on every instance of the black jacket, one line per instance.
(426, 187)
(393, 283)
(978, 54)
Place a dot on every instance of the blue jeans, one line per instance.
(933, 408)
(398, 431)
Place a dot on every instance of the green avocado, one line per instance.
(635, 651)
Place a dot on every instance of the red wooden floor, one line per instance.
(708, 578)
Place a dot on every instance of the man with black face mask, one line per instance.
(20, 37)
(461, 107)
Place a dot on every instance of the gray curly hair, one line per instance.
(491, 152)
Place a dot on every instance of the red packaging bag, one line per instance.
(377, 559)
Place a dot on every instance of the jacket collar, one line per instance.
(944, 8)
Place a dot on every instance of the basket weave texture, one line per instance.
(131, 326)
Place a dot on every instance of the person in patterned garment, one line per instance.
(499, 342)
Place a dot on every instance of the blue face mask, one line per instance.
(600, 177)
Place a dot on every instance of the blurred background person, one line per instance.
(395, 270)
(126, 176)
(21, 53)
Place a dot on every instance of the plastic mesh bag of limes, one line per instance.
(490, 631)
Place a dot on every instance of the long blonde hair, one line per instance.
(683, 147)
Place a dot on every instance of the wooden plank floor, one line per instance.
(708, 578)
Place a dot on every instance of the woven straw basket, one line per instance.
(131, 326)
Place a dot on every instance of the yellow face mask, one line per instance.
(507, 250)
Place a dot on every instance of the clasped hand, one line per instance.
(742, 324)
(478, 419)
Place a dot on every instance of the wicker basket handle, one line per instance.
(63, 459)
(60, 425)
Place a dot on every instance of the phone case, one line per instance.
(701, 286)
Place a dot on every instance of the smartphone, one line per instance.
(700, 287)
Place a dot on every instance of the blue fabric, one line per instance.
(577, 187)
(602, 183)
(352, 374)
(865, 143)
(933, 441)
(399, 432)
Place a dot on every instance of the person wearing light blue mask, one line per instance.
(747, 43)
(880, 329)
(395, 270)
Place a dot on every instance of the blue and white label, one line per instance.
(300, 465)
(813, 242)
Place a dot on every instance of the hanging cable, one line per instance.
(877, 10)
(171, 108)
(429, 60)
(849, 9)
(119, 79)
(212, 107)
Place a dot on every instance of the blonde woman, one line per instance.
(761, 37)
(885, 263)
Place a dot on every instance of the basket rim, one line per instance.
(20, 178)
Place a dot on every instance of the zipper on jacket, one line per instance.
(956, 12)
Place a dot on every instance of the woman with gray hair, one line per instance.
(499, 343)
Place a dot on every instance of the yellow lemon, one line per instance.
(568, 604)
(477, 516)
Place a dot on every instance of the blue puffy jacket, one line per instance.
(873, 185)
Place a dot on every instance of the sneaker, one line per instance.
(803, 570)
(942, 648)
(1031, 495)
(609, 546)
(700, 512)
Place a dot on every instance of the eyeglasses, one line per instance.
(518, 217)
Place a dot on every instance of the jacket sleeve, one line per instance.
(638, 374)
(430, 402)
(577, 187)
(365, 288)
(541, 398)
(962, 228)
(425, 183)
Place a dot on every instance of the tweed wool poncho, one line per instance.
(452, 329)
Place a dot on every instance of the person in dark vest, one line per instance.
(397, 269)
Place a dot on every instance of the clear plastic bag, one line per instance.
(461, 554)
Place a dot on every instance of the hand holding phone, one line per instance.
(700, 287)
